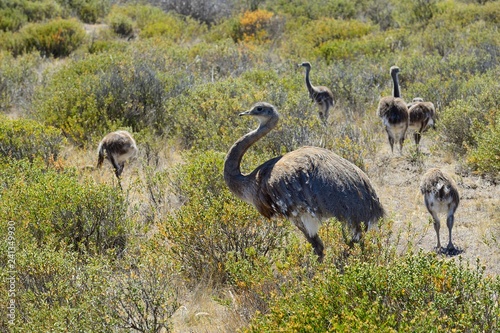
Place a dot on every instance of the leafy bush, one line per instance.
(416, 293)
(54, 289)
(24, 138)
(15, 13)
(121, 24)
(252, 26)
(18, 78)
(57, 38)
(212, 224)
(173, 27)
(484, 157)
(142, 293)
(90, 11)
(208, 12)
(55, 207)
(102, 93)
(11, 19)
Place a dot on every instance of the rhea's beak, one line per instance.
(246, 113)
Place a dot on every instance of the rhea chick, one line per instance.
(440, 197)
(117, 147)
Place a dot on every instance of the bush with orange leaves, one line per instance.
(252, 26)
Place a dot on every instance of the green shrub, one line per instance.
(57, 38)
(15, 13)
(38, 11)
(173, 27)
(91, 11)
(56, 208)
(88, 98)
(24, 138)
(212, 224)
(18, 79)
(418, 12)
(121, 24)
(485, 157)
(206, 11)
(55, 290)
(416, 293)
(456, 123)
(11, 19)
(142, 293)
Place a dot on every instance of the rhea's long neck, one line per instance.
(239, 148)
(396, 92)
(308, 81)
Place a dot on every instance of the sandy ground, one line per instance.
(476, 231)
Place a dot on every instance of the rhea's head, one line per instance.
(306, 65)
(394, 70)
(262, 111)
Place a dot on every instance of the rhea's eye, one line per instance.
(259, 108)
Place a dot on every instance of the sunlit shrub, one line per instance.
(55, 207)
(206, 11)
(252, 26)
(462, 121)
(173, 27)
(86, 99)
(54, 288)
(313, 10)
(212, 223)
(121, 24)
(142, 294)
(418, 12)
(15, 13)
(456, 122)
(418, 292)
(24, 138)
(91, 11)
(11, 19)
(18, 79)
(56, 38)
(485, 157)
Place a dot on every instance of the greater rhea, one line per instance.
(117, 147)
(307, 185)
(394, 113)
(440, 197)
(321, 95)
(422, 116)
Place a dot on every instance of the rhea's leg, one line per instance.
(437, 226)
(317, 245)
(417, 137)
(391, 140)
(401, 142)
(449, 221)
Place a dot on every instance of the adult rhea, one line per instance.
(307, 185)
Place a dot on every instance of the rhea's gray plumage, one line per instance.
(307, 185)
(117, 147)
(422, 116)
(440, 197)
(394, 113)
(321, 95)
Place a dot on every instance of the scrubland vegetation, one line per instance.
(175, 251)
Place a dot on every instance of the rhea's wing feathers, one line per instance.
(323, 93)
(436, 182)
(316, 181)
(417, 113)
(393, 109)
(119, 144)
